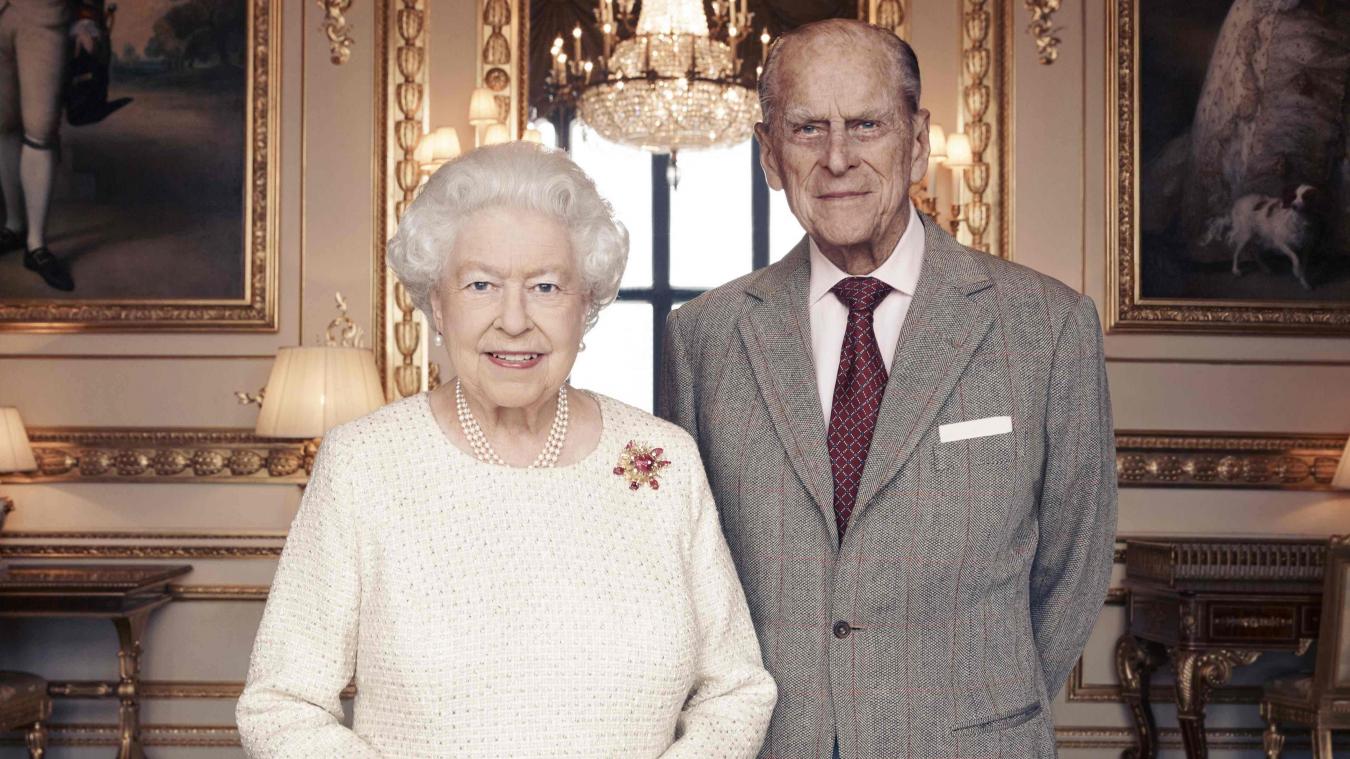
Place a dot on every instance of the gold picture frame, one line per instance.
(256, 310)
(1129, 309)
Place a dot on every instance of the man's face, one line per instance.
(842, 147)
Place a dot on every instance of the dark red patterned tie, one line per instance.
(857, 392)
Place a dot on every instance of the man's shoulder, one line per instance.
(1022, 292)
(722, 304)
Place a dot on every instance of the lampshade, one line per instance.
(937, 143)
(1342, 479)
(16, 455)
(496, 134)
(958, 152)
(482, 107)
(437, 146)
(312, 390)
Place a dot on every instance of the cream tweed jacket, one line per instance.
(497, 612)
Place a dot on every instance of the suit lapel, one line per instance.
(776, 333)
(942, 329)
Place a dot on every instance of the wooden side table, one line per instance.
(1208, 605)
(124, 593)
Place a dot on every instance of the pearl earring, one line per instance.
(581, 347)
(439, 340)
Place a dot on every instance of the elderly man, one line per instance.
(910, 441)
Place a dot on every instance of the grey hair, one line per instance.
(903, 63)
(519, 175)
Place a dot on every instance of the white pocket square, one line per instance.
(993, 425)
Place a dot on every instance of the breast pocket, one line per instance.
(989, 449)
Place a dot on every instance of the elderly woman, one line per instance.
(507, 565)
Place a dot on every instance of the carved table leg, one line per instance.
(1199, 672)
(37, 740)
(130, 629)
(1135, 662)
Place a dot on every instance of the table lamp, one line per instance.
(312, 390)
(16, 455)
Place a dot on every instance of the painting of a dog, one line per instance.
(1244, 156)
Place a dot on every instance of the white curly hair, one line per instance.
(514, 175)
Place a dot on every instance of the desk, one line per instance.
(1209, 605)
(123, 593)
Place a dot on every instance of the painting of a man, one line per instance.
(140, 194)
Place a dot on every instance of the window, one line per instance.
(719, 223)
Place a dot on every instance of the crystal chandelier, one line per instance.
(666, 83)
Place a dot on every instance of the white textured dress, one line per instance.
(488, 611)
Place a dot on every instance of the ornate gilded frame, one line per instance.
(256, 311)
(1127, 309)
(400, 77)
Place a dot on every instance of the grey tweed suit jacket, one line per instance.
(972, 571)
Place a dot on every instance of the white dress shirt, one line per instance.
(829, 315)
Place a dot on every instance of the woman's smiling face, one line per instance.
(511, 307)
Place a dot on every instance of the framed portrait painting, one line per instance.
(138, 165)
(1229, 166)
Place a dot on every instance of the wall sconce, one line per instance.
(435, 149)
(496, 134)
(16, 455)
(925, 195)
(959, 159)
(483, 114)
(312, 390)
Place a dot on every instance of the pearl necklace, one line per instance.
(482, 449)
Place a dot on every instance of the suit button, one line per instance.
(841, 629)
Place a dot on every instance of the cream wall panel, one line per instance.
(162, 507)
(133, 392)
(1161, 396)
(338, 213)
(1047, 151)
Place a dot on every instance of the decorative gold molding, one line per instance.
(986, 112)
(256, 311)
(219, 592)
(1042, 29)
(160, 690)
(338, 31)
(111, 454)
(1127, 309)
(887, 14)
(226, 736)
(1278, 461)
(401, 90)
(497, 57)
(1227, 460)
(122, 551)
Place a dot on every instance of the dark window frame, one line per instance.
(661, 294)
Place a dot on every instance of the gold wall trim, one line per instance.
(123, 551)
(256, 311)
(1042, 29)
(219, 592)
(1198, 459)
(143, 454)
(184, 736)
(115, 535)
(337, 30)
(1272, 461)
(401, 108)
(226, 736)
(986, 111)
(161, 690)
